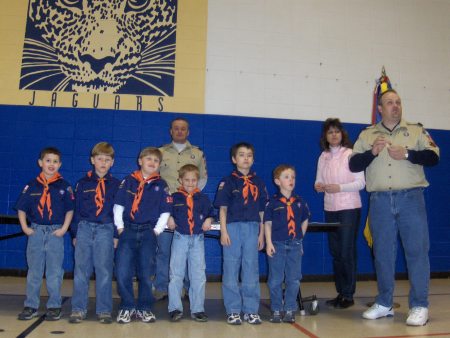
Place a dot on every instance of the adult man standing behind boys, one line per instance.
(393, 154)
(175, 155)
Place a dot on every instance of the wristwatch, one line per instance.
(406, 154)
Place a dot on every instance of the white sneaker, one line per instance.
(145, 316)
(252, 318)
(125, 316)
(234, 319)
(418, 316)
(378, 311)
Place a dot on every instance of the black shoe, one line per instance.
(53, 314)
(334, 301)
(199, 317)
(27, 313)
(344, 303)
(175, 315)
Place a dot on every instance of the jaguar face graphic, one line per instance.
(100, 46)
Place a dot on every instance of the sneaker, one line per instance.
(378, 311)
(53, 314)
(276, 317)
(145, 316)
(125, 316)
(418, 316)
(27, 313)
(175, 315)
(77, 317)
(199, 317)
(289, 317)
(234, 319)
(252, 318)
(104, 318)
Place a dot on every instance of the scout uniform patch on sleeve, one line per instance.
(427, 134)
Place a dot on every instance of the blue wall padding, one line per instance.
(25, 130)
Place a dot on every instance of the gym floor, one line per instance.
(329, 322)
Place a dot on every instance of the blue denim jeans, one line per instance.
(45, 251)
(285, 265)
(136, 255)
(190, 249)
(161, 281)
(94, 250)
(342, 245)
(241, 256)
(400, 212)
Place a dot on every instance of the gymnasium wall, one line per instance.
(26, 130)
(261, 71)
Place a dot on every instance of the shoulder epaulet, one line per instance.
(165, 145)
(417, 124)
(197, 147)
(371, 126)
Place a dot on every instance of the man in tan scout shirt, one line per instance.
(175, 155)
(180, 152)
(393, 154)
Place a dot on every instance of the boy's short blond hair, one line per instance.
(49, 150)
(103, 148)
(151, 151)
(189, 168)
(282, 167)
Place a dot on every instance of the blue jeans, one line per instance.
(285, 265)
(162, 261)
(241, 255)
(45, 251)
(342, 245)
(136, 255)
(190, 249)
(400, 212)
(94, 250)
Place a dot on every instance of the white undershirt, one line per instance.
(179, 146)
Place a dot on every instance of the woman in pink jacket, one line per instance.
(342, 203)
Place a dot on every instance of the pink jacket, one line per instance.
(332, 168)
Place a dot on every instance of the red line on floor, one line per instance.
(304, 331)
(416, 335)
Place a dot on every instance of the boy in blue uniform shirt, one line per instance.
(241, 198)
(93, 231)
(141, 211)
(286, 220)
(191, 215)
(47, 202)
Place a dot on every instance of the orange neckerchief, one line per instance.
(140, 190)
(190, 206)
(249, 187)
(100, 192)
(290, 215)
(45, 198)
